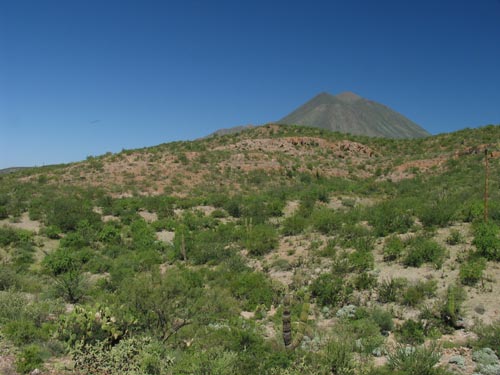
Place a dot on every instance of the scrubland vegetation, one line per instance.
(385, 258)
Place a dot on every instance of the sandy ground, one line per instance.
(23, 223)
(166, 236)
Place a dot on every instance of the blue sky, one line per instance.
(81, 78)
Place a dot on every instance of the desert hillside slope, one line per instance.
(280, 250)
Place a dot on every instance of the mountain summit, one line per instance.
(350, 113)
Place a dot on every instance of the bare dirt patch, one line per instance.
(7, 359)
(166, 236)
(24, 222)
(345, 201)
(148, 216)
(411, 168)
(107, 218)
(290, 208)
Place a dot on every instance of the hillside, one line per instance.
(350, 113)
(256, 159)
(277, 250)
(232, 130)
(11, 170)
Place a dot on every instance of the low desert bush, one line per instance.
(411, 332)
(294, 225)
(422, 250)
(261, 239)
(486, 240)
(391, 290)
(30, 358)
(416, 293)
(488, 336)
(389, 217)
(455, 237)
(330, 290)
(326, 220)
(420, 360)
(471, 272)
(393, 248)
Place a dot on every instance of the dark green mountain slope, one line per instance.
(350, 113)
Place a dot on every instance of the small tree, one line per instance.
(164, 303)
(64, 267)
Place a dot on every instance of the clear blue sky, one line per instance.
(83, 77)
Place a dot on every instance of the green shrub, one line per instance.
(30, 358)
(326, 220)
(294, 225)
(389, 217)
(455, 237)
(391, 290)
(209, 247)
(11, 236)
(22, 332)
(261, 239)
(411, 332)
(4, 213)
(61, 261)
(306, 206)
(486, 240)
(110, 234)
(438, 213)
(233, 207)
(143, 235)
(383, 319)
(416, 293)
(66, 213)
(12, 305)
(421, 360)
(161, 302)
(16, 306)
(218, 214)
(51, 232)
(9, 279)
(354, 235)
(367, 334)
(64, 266)
(23, 256)
(393, 248)
(474, 211)
(330, 290)
(74, 241)
(253, 289)
(471, 272)
(361, 261)
(365, 281)
(423, 250)
(339, 355)
(489, 336)
(215, 360)
(341, 265)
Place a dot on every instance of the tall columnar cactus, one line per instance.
(287, 322)
(451, 309)
(290, 343)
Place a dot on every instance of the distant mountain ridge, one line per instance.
(350, 113)
(11, 170)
